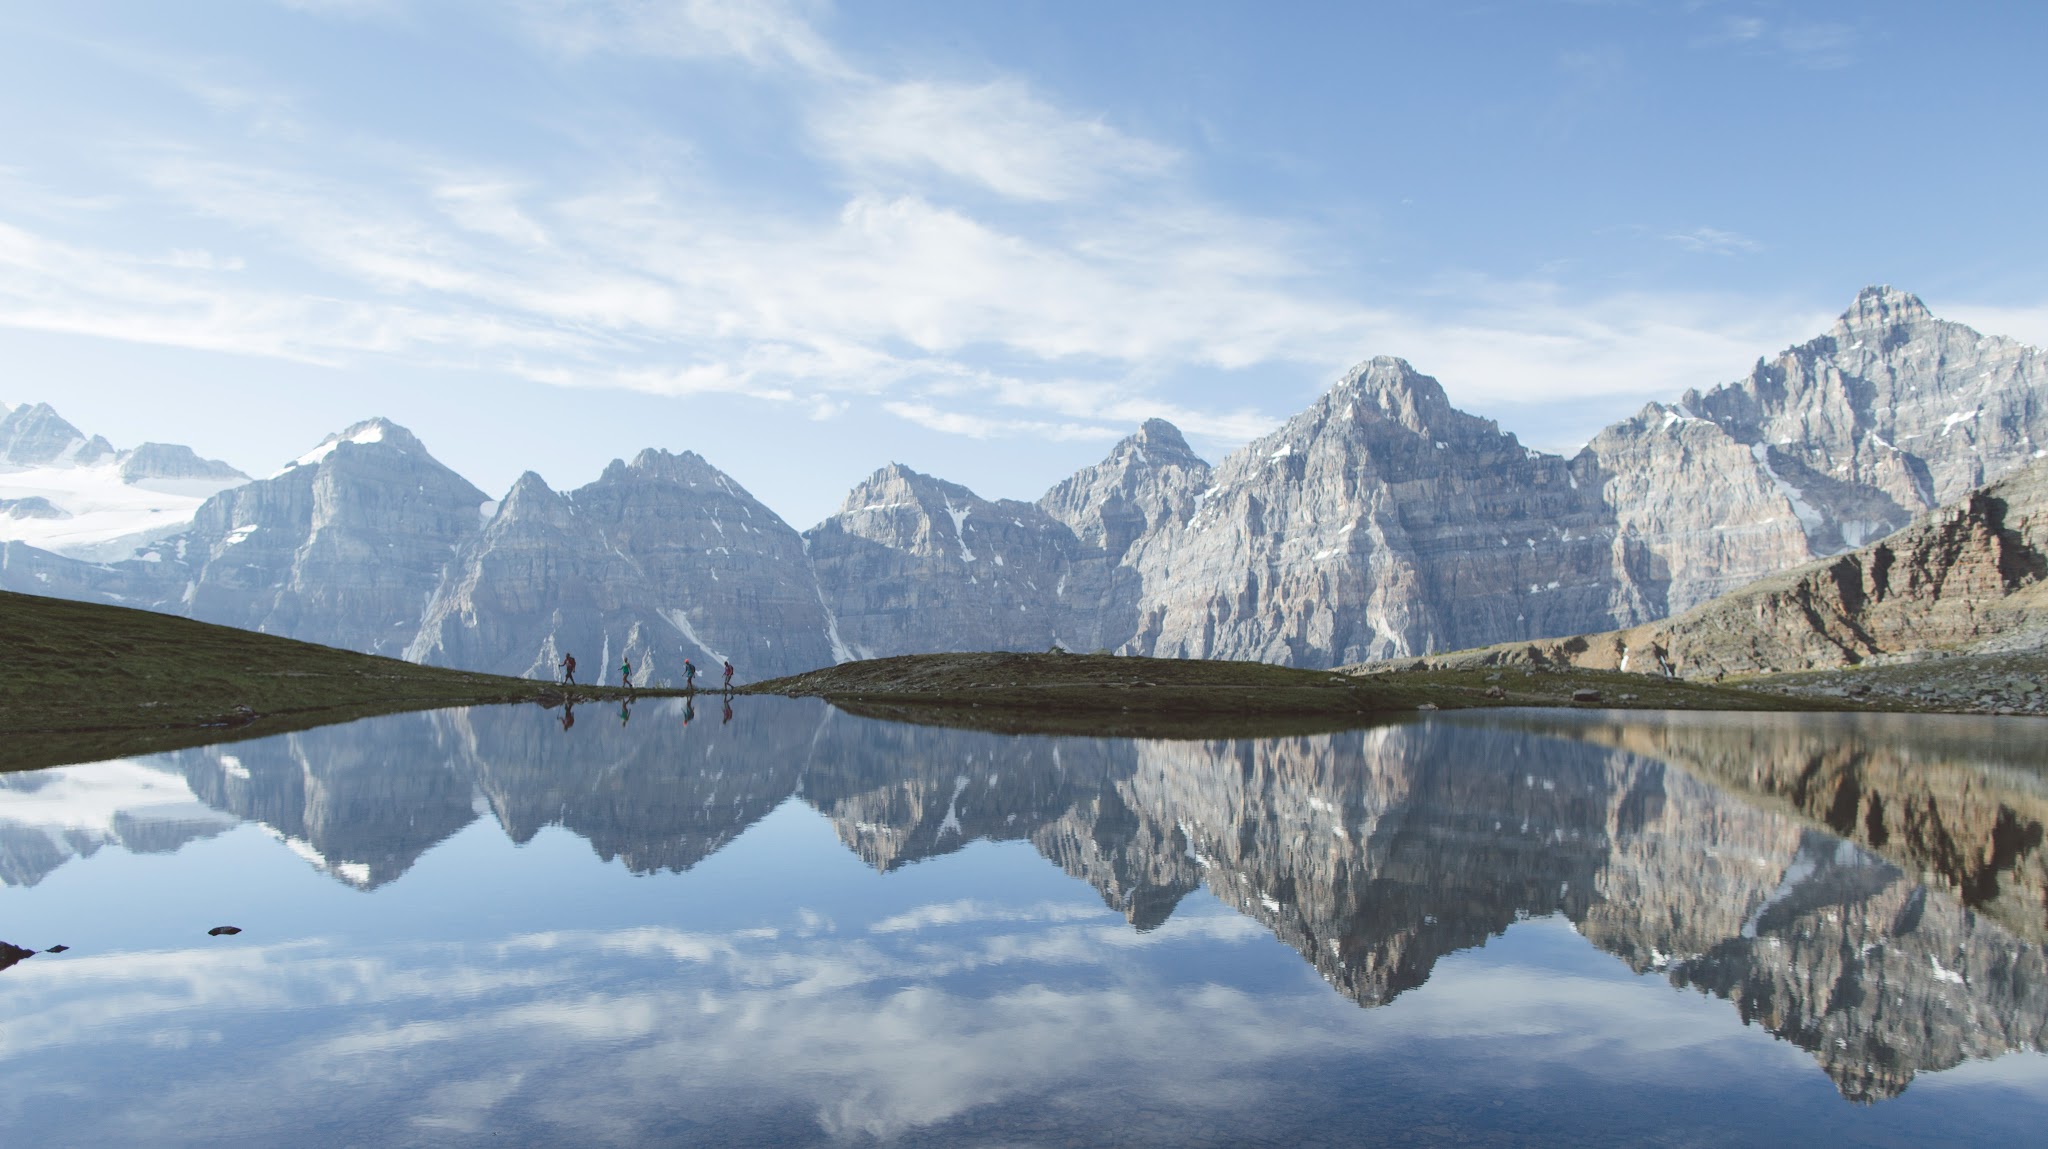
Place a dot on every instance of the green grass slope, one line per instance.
(83, 682)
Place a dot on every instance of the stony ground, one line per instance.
(2009, 683)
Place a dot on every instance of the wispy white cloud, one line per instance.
(490, 207)
(1823, 46)
(983, 427)
(1817, 45)
(758, 32)
(1714, 241)
(1513, 343)
(998, 135)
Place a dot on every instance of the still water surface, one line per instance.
(798, 927)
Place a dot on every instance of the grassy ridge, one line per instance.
(83, 681)
(1166, 697)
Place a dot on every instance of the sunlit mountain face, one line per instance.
(715, 895)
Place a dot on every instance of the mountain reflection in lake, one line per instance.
(1566, 928)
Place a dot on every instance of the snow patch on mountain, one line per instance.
(104, 519)
(369, 432)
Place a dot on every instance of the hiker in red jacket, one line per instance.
(569, 669)
(728, 674)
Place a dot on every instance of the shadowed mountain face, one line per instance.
(1373, 853)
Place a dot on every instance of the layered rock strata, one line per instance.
(911, 562)
(1969, 577)
(1381, 521)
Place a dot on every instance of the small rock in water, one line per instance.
(56, 949)
(224, 931)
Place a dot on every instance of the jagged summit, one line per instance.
(1163, 443)
(528, 485)
(1386, 387)
(1156, 443)
(34, 435)
(1881, 306)
(529, 497)
(897, 483)
(659, 464)
(376, 429)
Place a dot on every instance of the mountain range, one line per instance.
(1380, 522)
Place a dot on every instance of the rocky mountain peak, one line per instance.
(172, 461)
(34, 435)
(1162, 444)
(896, 484)
(1387, 388)
(1879, 308)
(373, 430)
(666, 466)
(530, 496)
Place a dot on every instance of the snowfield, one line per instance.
(106, 519)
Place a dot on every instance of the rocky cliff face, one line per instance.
(34, 435)
(913, 563)
(1891, 413)
(659, 560)
(342, 547)
(1969, 577)
(1381, 521)
(1148, 487)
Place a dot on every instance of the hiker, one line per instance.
(728, 674)
(625, 672)
(569, 669)
(689, 675)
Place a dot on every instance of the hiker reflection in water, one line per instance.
(568, 715)
(689, 710)
(728, 713)
(625, 711)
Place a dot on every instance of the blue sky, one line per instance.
(984, 240)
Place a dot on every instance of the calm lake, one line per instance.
(784, 925)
